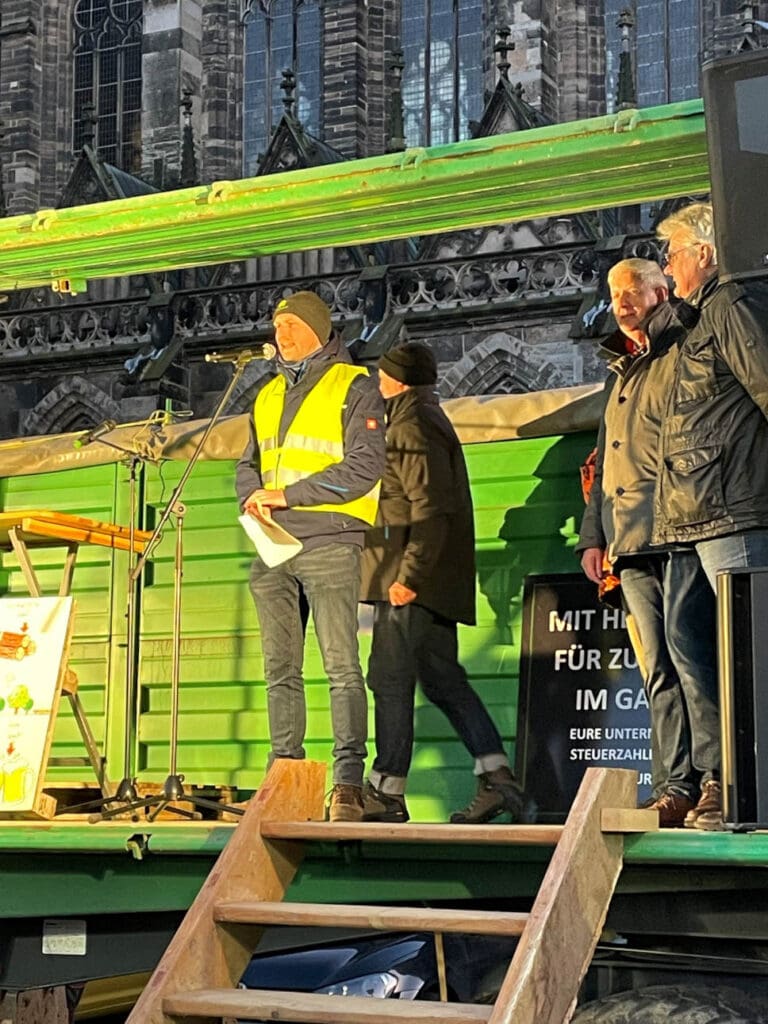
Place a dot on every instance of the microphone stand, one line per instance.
(173, 787)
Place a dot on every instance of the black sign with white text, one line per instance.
(581, 700)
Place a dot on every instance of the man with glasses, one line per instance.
(712, 485)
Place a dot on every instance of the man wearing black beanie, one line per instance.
(419, 573)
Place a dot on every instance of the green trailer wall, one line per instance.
(527, 507)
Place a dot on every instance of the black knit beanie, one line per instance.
(411, 364)
(310, 308)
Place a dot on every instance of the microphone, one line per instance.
(94, 433)
(244, 355)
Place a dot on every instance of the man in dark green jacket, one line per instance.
(419, 572)
(712, 486)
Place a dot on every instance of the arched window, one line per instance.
(443, 76)
(279, 34)
(107, 53)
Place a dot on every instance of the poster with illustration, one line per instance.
(34, 641)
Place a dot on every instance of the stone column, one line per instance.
(20, 85)
(221, 130)
(171, 63)
(345, 77)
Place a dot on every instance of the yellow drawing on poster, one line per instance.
(34, 641)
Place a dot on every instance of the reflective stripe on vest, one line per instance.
(315, 438)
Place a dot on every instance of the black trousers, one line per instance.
(409, 644)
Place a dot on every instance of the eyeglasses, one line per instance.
(670, 257)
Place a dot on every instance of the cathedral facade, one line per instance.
(103, 99)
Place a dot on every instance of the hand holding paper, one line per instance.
(273, 544)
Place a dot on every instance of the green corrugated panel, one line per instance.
(524, 491)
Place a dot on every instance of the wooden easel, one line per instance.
(19, 532)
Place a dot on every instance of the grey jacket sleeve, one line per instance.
(247, 471)
(364, 452)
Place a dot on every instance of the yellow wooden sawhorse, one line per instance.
(22, 530)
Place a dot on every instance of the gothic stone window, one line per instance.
(667, 50)
(443, 76)
(279, 34)
(107, 55)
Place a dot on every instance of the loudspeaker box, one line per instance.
(742, 611)
(736, 113)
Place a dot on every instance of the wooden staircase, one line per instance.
(196, 978)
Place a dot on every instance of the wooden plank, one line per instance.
(44, 528)
(332, 915)
(566, 919)
(629, 819)
(376, 832)
(257, 1004)
(202, 953)
(32, 528)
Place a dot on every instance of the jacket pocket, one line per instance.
(696, 379)
(694, 485)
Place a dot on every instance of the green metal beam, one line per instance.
(636, 156)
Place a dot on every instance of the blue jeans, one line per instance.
(330, 578)
(411, 643)
(745, 550)
(674, 610)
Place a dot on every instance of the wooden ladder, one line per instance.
(196, 978)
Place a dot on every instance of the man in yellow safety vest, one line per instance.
(313, 464)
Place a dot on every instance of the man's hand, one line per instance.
(400, 595)
(260, 503)
(592, 564)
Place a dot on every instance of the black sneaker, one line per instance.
(497, 793)
(378, 806)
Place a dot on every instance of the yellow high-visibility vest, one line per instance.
(315, 438)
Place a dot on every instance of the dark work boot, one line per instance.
(497, 793)
(378, 806)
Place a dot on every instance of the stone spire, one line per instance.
(502, 48)
(396, 127)
(89, 125)
(188, 175)
(626, 94)
(288, 85)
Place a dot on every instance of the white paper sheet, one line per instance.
(273, 544)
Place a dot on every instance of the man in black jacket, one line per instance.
(712, 488)
(313, 462)
(666, 591)
(419, 573)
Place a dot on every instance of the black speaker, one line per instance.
(742, 602)
(736, 114)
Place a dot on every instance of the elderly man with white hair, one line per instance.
(660, 586)
(712, 486)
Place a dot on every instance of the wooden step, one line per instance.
(310, 1008)
(330, 915)
(377, 832)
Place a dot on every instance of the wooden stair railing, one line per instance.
(195, 979)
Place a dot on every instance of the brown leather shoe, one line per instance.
(709, 809)
(672, 808)
(346, 803)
